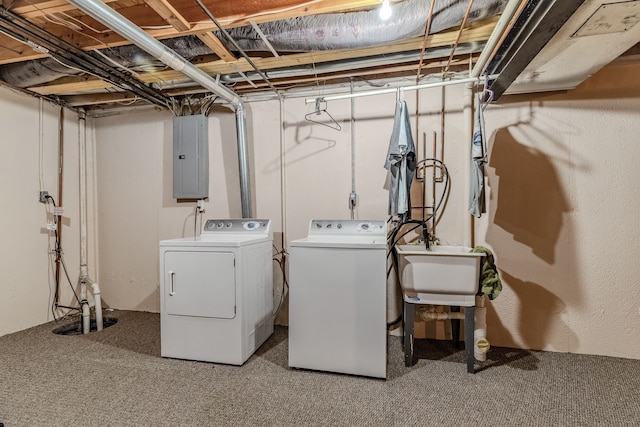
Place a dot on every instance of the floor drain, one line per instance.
(75, 328)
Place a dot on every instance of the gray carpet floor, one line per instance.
(116, 377)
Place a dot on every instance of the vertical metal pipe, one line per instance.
(243, 161)
(121, 25)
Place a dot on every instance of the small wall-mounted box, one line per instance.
(190, 157)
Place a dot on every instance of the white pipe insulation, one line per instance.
(127, 29)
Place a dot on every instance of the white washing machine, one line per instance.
(216, 292)
(338, 298)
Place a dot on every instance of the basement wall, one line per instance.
(29, 164)
(562, 215)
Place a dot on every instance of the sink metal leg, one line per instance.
(455, 327)
(409, 317)
(469, 327)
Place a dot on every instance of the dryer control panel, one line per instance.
(245, 225)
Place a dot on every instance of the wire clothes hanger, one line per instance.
(319, 113)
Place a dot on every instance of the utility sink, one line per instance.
(445, 275)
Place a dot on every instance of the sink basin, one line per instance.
(438, 272)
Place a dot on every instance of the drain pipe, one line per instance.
(127, 29)
(84, 279)
(481, 344)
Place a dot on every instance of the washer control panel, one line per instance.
(347, 227)
(236, 226)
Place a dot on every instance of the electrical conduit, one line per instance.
(118, 23)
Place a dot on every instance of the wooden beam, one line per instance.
(217, 47)
(479, 32)
(36, 9)
(234, 14)
(99, 98)
(169, 14)
(180, 23)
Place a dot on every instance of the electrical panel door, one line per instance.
(190, 157)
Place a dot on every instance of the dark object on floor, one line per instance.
(75, 328)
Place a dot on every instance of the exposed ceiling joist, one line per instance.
(479, 31)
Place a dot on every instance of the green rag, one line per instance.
(489, 281)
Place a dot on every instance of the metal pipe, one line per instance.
(243, 161)
(510, 12)
(121, 25)
(69, 55)
(393, 90)
(453, 49)
(235, 44)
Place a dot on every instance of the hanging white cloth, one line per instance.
(478, 160)
(401, 163)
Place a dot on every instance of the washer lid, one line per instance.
(352, 242)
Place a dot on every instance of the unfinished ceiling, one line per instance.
(62, 51)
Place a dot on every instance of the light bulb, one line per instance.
(385, 10)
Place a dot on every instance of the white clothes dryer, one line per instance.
(338, 298)
(216, 292)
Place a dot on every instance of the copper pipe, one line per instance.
(424, 41)
(464, 22)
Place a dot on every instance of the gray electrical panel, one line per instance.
(190, 157)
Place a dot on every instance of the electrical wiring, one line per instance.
(59, 258)
(285, 284)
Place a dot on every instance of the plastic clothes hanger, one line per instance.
(487, 94)
(320, 111)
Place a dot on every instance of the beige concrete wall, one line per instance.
(29, 164)
(563, 217)
(562, 214)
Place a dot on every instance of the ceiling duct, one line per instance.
(362, 29)
(318, 32)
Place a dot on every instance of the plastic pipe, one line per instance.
(86, 311)
(96, 296)
(481, 344)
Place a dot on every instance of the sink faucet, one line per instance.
(426, 236)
